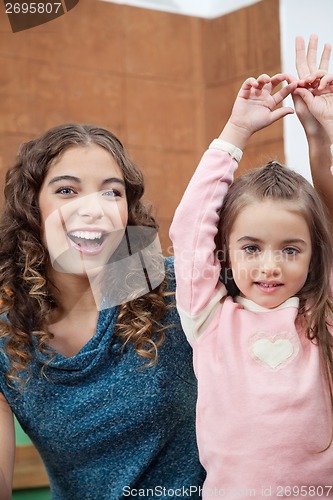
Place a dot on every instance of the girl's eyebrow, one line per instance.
(290, 241)
(249, 238)
(72, 178)
(295, 241)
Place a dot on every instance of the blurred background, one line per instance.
(162, 75)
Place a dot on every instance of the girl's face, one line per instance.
(270, 252)
(83, 209)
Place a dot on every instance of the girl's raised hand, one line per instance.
(306, 64)
(256, 107)
(316, 90)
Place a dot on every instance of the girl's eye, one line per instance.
(65, 191)
(291, 251)
(251, 249)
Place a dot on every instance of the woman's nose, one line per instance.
(90, 206)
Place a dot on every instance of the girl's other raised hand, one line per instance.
(306, 65)
(313, 101)
(316, 90)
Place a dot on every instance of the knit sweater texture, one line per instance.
(105, 426)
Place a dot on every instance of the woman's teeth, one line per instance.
(87, 239)
(86, 235)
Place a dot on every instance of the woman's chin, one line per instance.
(84, 267)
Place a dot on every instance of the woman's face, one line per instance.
(83, 208)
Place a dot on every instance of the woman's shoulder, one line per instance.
(4, 359)
(171, 315)
(3, 340)
(170, 272)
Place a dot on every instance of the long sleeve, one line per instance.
(192, 232)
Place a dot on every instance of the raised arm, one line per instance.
(317, 137)
(195, 223)
(7, 449)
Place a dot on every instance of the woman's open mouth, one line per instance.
(87, 242)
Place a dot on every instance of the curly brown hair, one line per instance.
(276, 182)
(25, 290)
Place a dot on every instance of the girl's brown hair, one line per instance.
(276, 182)
(26, 296)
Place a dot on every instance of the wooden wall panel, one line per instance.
(90, 36)
(159, 45)
(164, 83)
(160, 115)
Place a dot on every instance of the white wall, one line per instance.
(301, 17)
(199, 8)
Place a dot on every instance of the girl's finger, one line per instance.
(325, 57)
(301, 61)
(291, 78)
(305, 94)
(279, 113)
(249, 83)
(316, 75)
(263, 80)
(325, 81)
(282, 77)
(284, 92)
(312, 53)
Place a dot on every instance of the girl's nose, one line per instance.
(270, 266)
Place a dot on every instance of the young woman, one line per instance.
(92, 357)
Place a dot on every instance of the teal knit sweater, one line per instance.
(108, 429)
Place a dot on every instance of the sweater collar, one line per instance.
(61, 368)
(249, 305)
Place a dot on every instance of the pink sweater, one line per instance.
(263, 412)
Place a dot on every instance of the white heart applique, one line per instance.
(273, 353)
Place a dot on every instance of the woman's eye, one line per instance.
(112, 193)
(251, 249)
(65, 191)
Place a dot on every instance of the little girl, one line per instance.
(253, 263)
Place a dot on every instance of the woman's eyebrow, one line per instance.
(60, 178)
(111, 180)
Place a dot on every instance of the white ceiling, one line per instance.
(200, 8)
